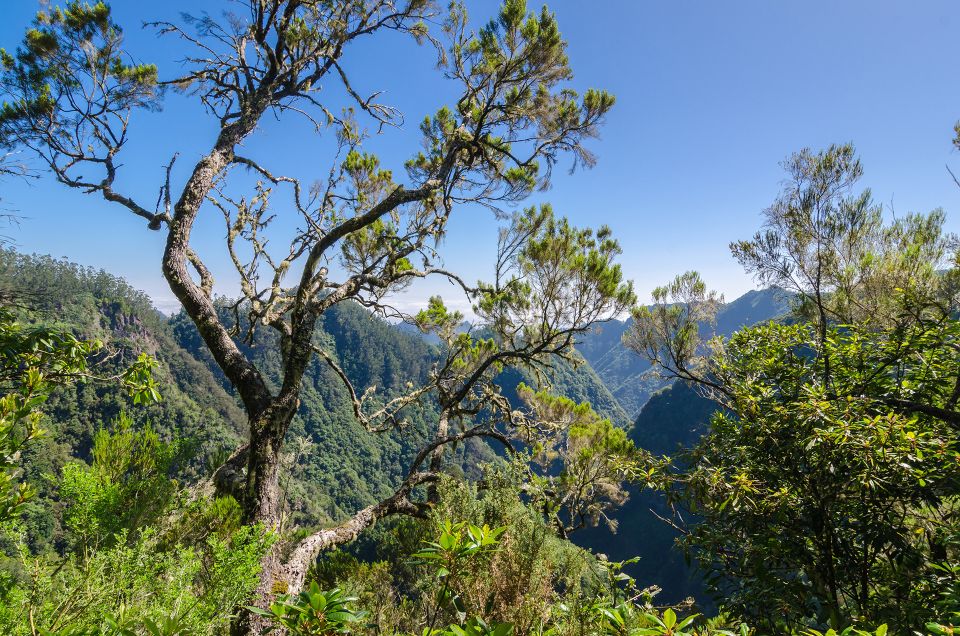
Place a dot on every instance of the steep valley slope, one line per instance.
(629, 376)
(335, 466)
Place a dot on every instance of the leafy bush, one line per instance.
(146, 557)
(314, 613)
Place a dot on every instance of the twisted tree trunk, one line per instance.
(284, 568)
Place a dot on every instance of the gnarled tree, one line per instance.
(71, 94)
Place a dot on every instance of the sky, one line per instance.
(711, 97)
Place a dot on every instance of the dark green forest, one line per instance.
(303, 456)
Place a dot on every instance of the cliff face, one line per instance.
(675, 417)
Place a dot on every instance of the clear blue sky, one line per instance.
(711, 96)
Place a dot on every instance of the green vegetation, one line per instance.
(118, 568)
(117, 495)
(825, 487)
(484, 562)
(819, 499)
(288, 460)
(141, 554)
(516, 116)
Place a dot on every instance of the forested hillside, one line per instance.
(195, 410)
(340, 466)
(337, 466)
(339, 462)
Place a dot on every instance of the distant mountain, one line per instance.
(629, 377)
(753, 307)
(624, 373)
(413, 330)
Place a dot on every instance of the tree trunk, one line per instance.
(284, 569)
(272, 583)
(263, 503)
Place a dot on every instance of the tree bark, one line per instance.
(230, 479)
(244, 376)
(284, 570)
(262, 502)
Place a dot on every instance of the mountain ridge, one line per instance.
(630, 378)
